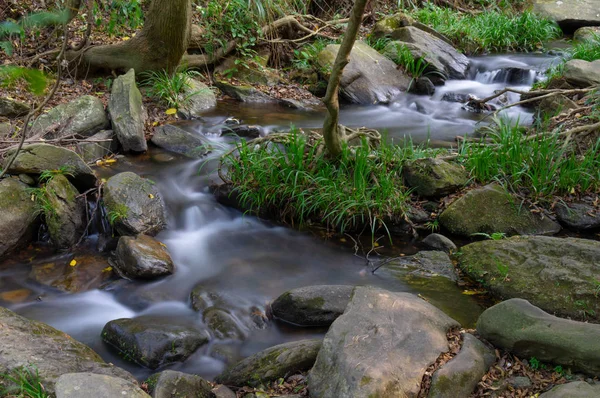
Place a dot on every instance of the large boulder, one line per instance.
(17, 215)
(172, 384)
(574, 389)
(526, 331)
(196, 98)
(569, 14)
(459, 376)
(66, 217)
(153, 341)
(559, 275)
(380, 347)
(441, 56)
(142, 257)
(432, 177)
(88, 385)
(312, 305)
(272, 364)
(581, 73)
(369, 78)
(37, 158)
(11, 108)
(127, 113)
(491, 209)
(175, 139)
(28, 343)
(97, 146)
(134, 205)
(578, 216)
(82, 117)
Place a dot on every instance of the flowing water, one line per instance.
(251, 260)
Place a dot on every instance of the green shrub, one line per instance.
(305, 58)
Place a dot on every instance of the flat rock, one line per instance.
(581, 73)
(37, 158)
(578, 216)
(127, 113)
(574, 389)
(491, 209)
(196, 98)
(431, 177)
(97, 146)
(271, 364)
(134, 204)
(369, 78)
(143, 257)
(153, 341)
(17, 215)
(312, 305)
(559, 275)
(172, 384)
(569, 14)
(11, 108)
(90, 272)
(380, 347)
(425, 263)
(88, 385)
(177, 140)
(459, 376)
(66, 222)
(82, 117)
(53, 353)
(526, 331)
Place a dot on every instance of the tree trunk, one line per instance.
(159, 45)
(333, 133)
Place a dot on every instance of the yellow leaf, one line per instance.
(155, 123)
(107, 269)
(171, 111)
(572, 191)
(151, 196)
(472, 292)
(162, 244)
(73, 263)
(376, 244)
(125, 38)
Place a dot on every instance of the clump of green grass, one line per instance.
(362, 189)
(168, 88)
(490, 31)
(305, 58)
(541, 165)
(24, 382)
(378, 44)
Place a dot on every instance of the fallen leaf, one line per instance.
(73, 263)
(171, 111)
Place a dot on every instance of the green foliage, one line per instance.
(48, 175)
(293, 182)
(36, 80)
(535, 363)
(588, 50)
(23, 382)
(493, 236)
(123, 13)
(378, 44)
(117, 214)
(540, 165)
(305, 58)
(490, 31)
(168, 87)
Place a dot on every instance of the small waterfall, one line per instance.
(511, 75)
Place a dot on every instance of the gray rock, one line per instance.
(388, 25)
(244, 93)
(36, 158)
(581, 73)
(456, 97)
(196, 98)
(587, 33)
(380, 347)
(171, 384)
(223, 324)
(312, 305)
(134, 204)
(491, 209)
(66, 222)
(83, 117)
(177, 140)
(439, 242)
(574, 389)
(554, 105)
(569, 14)
(88, 385)
(459, 376)
(271, 364)
(432, 177)
(11, 108)
(97, 146)
(578, 216)
(222, 391)
(127, 113)
(422, 86)
(526, 331)
(369, 78)
(559, 275)
(441, 56)
(142, 257)
(6, 130)
(26, 179)
(425, 263)
(153, 341)
(17, 215)
(27, 343)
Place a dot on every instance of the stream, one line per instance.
(251, 260)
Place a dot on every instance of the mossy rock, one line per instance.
(491, 209)
(172, 384)
(272, 364)
(127, 113)
(142, 257)
(587, 33)
(17, 215)
(431, 177)
(86, 385)
(386, 26)
(66, 218)
(574, 389)
(196, 98)
(559, 275)
(177, 140)
(134, 205)
(11, 108)
(223, 324)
